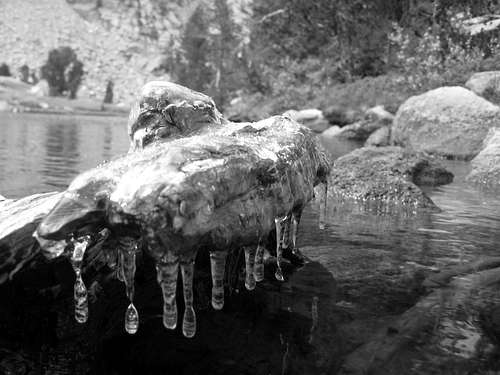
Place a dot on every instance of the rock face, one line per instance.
(387, 174)
(486, 165)
(448, 121)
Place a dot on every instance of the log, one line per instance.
(18, 221)
(222, 188)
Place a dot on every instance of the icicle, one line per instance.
(294, 228)
(119, 269)
(249, 267)
(80, 291)
(258, 269)
(131, 319)
(323, 191)
(285, 237)
(189, 320)
(128, 268)
(81, 300)
(278, 224)
(217, 266)
(167, 271)
(128, 254)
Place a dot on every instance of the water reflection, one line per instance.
(40, 153)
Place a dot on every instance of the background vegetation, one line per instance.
(336, 53)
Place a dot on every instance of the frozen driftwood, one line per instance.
(224, 187)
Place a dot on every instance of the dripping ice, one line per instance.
(80, 290)
(217, 267)
(128, 267)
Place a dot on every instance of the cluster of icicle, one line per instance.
(168, 270)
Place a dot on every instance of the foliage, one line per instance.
(207, 58)
(63, 72)
(4, 70)
(108, 95)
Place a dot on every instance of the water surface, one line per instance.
(41, 153)
(367, 264)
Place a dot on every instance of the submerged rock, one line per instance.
(448, 121)
(486, 165)
(388, 174)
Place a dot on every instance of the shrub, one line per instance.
(63, 72)
(4, 70)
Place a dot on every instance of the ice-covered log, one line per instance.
(222, 188)
(226, 187)
(18, 220)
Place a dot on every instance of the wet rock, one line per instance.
(312, 118)
(387, 174)
(380, 137)
(486, 165)
(448, 121)
(18, 221)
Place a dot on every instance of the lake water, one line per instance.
(41, 153)
(366, 267)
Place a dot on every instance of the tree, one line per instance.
(63, 72)
(192, 63)
(4, 70)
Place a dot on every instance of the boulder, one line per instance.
(341, 116)
(486, 165)
(449, 121)
(390, 174)
(380, 137)
(312, 118)
(361, 130)
(331, 132)
(379, 113)
(485, 84)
